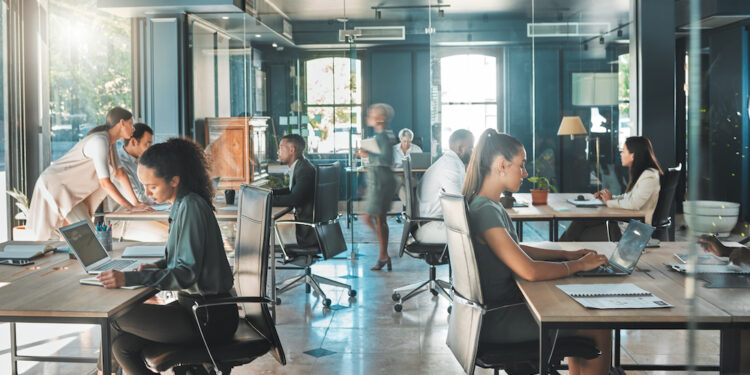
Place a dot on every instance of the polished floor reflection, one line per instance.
(360, 336)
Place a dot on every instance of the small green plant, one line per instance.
(542, 183)
(22, 202)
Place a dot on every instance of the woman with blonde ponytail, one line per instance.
(497, 164)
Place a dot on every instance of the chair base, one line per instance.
(435, 286)
(312, 281)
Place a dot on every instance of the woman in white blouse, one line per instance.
(404, 147)
(641, 194)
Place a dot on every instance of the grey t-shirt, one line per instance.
(496, 279)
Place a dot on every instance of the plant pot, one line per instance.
(539, 197)
(20, 233)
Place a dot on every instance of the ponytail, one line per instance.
(114, 116)
(184, 158)
(491, 143)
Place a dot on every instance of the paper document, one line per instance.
(586, 203)
(24, 251)
(714, 268)
(613, 296)
(94, 281)
(144, 252)
(370, 145)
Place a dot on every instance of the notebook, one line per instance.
(94, 281)
(24, 251)
(613, 296)
(586, 203)
(144, 252)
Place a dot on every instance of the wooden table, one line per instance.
(558, 209)
(52, 294)
(554, 310)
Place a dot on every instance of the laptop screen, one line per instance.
(631, 245)
(82, 240)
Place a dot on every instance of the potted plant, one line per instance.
(22, 202)
(542, 188)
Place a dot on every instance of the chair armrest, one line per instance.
(285, 222)
(423, 219)
(283, 212)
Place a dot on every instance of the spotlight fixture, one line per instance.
(378, 14)
(601, 40)
(619, 32)
(585, 46)
(441, 12)
(274, 45)
(257, 35)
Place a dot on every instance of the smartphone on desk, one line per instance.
(16, 262)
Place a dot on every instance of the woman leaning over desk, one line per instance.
(498, 164)
(642, 193)
(74, 185)
(195, 265)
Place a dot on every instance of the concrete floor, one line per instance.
(364, 336)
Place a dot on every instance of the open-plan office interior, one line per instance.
(375, 187)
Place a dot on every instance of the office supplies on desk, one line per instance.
(586, 203)
(27, 252)
(143, 251)
(628, 251)
(94, 281)
(90, 252)
(613, 296)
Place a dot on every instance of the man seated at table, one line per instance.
(736, 254)
(129, 153)
(446, 174)
(301, 191)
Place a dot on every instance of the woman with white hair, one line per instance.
(404, 147)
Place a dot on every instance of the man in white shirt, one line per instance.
(131, 150)
(446, 174)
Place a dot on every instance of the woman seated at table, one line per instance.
(641, 194)
(195, 265)
(498, 164)
(404, 147)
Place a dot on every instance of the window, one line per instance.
(468, 97)
(89, 69)
(623, 94)
(3, 112)
(334, 103)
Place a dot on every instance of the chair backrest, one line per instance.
(412, 210)
(465, 321)
(326, 210)
(251, 261)
(326, 205)
(669, 181)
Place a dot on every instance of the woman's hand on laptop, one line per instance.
(577, 254)
(143, 266)
(591, 261)
(111, 279)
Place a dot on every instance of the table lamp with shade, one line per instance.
(572, 126)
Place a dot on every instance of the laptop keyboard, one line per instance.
(607, 269)
(115, 264)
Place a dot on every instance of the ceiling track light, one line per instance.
(441, 12)
(619, 32)
(585, 46)
(378, 14)
(601, 40)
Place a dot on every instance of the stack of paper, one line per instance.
(586, 203)
(24, 251)
(613, 296)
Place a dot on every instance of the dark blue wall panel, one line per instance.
(391, 81)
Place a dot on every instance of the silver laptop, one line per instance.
(628, 251)
(90, 252)
(420, 160)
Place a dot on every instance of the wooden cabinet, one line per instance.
(236, 148)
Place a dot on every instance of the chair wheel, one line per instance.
(278, 301)
(396, 297)
(398, 307)
(327, 302)
(352, 293)
(434, 292)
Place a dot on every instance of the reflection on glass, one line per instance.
(3, 112)
(334, 103)
(89, 69)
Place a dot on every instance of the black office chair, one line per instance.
(328, 234)
(256, 333)
(662, 218)
(465, 321)
(432, 254)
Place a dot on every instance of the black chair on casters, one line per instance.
(432, 254)
(328, 234)
(465, 321)
(256, 333)
(662, 218)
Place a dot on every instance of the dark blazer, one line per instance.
(301, 197)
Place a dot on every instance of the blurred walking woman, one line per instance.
(381, 185)
(72, 187)
(195, 265)
(498, 164)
